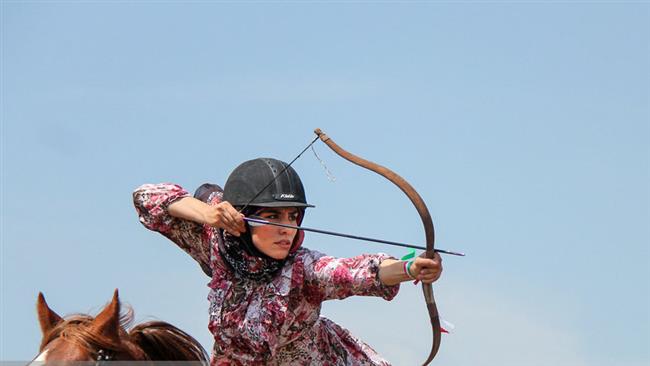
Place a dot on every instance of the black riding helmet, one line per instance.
(265, 182)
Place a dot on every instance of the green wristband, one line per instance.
(408, 268)
(409, 255)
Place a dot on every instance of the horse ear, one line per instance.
(107, 323)
(47, 318)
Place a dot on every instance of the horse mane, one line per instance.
(163, 341)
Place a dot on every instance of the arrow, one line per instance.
(254, 221)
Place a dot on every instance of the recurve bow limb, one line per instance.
(418, 202)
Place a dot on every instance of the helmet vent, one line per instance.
(272, 166)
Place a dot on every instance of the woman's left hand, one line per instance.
(425, 269)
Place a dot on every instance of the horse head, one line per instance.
(105, 338)
(84, 338)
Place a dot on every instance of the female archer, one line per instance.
(266, 289)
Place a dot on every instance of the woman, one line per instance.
(267, 290)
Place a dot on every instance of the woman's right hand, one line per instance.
(225, 216)
(222, 215)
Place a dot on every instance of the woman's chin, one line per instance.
(279, 253)
(280, 256)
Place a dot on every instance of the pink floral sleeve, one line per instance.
(151, 202)
(338, 278)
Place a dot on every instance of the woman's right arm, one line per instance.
(153, 201)
(222, 215)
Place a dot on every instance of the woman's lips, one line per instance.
(283, 243)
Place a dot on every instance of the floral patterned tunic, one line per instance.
(275, 323)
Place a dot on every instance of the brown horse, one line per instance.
(105, 337)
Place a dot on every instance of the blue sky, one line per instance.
(524, 125)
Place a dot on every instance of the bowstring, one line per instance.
(329, 174)
(278, 175)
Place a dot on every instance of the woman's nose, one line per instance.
(287, 220)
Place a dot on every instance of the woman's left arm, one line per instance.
(328, 278)
(392, 272)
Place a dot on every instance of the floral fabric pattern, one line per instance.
(274, 323)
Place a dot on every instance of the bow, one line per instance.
(424, 215)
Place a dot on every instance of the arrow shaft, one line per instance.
(255, 221)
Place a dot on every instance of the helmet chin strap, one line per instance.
(276, 176)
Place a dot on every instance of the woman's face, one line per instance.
(275, 241)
